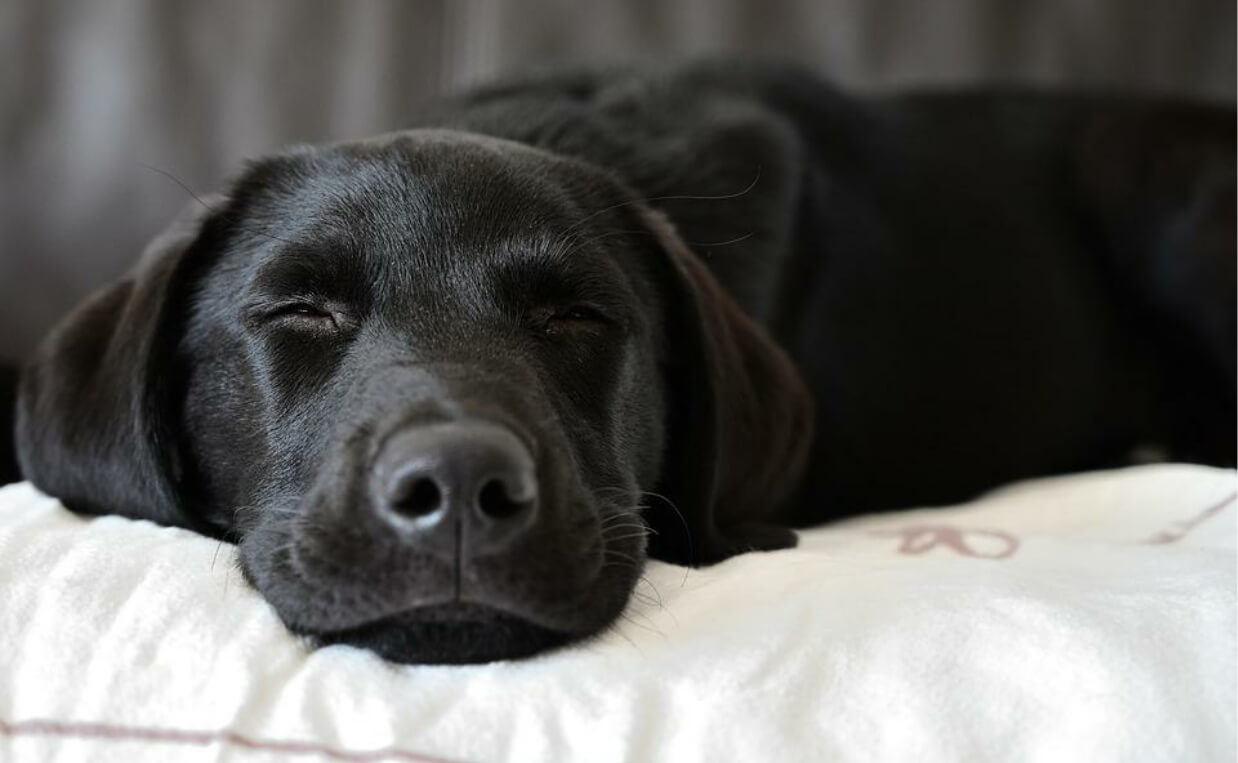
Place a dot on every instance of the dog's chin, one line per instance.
(450, 634)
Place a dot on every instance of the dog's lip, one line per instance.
(459, 610)
(468, 604)
(448, 611)
(455, 633)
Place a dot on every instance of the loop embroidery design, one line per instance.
(978, 544)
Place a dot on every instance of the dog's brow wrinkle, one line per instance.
(576, 243)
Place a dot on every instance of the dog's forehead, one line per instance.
(430, 192)
(443, 141)
(438, 181)
(435, 208)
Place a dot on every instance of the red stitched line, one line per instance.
(1184, 527)
(112, 732)
(1208, 512)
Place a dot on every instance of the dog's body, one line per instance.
(974, 286)
(969, 289)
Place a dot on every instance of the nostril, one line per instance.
(456, 484)
(418, 498)
(495, 501)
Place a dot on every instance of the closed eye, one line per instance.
(576, 320)
(299, 315)
(578, 313)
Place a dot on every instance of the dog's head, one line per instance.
(447, 393)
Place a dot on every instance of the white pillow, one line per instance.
(1087, 618)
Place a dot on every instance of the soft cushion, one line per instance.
(1086, 618)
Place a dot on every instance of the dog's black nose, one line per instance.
(467, 487)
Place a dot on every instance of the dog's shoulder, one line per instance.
(716, 146)
(653, 126)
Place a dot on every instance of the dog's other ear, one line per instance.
(739, 418)
(93, 421)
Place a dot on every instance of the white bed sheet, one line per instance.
(1087, 618)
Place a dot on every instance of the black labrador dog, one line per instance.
(448, 388)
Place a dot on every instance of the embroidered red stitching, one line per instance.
(918, 539)
(1179, 530)
(41, 727)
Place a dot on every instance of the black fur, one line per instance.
(662, 282)
(8, 414)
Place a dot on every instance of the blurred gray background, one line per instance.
(96, 93)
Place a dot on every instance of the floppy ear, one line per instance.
(739, 420)
(93, 421)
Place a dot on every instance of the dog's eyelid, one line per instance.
(580, 319)
(304, 309)
(580, 313)
(296, 308)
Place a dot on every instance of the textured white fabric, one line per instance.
(1087, 618)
